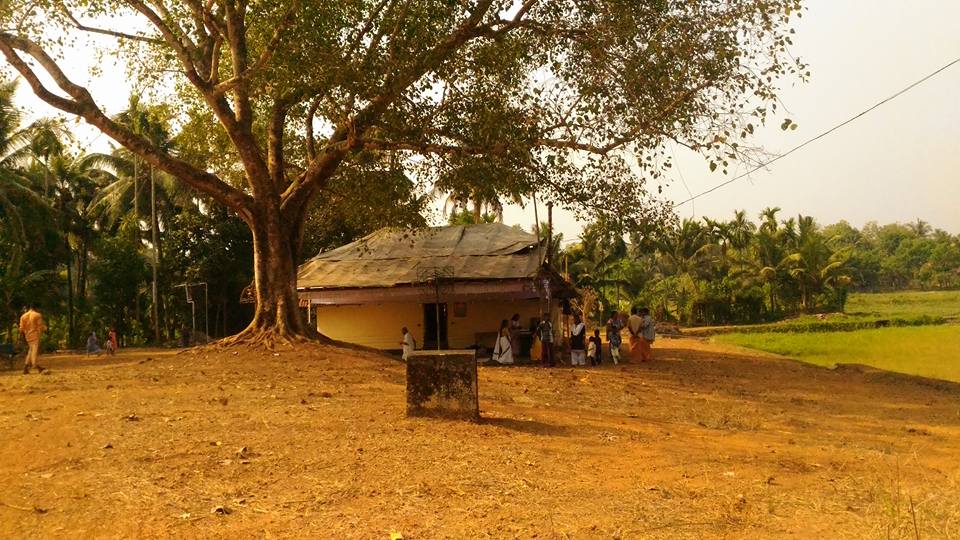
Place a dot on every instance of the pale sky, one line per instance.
(899, 163)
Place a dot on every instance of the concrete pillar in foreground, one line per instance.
(443, 384)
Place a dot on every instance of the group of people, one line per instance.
(32, 328)
(111, 345)
(639, 325)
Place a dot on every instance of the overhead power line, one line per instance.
(820, 136)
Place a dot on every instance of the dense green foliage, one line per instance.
(76, 236)
(282, 104)
(737, 271)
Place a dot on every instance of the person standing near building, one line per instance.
(408, 343)
(515, 334)
(545, 332)
(31, 329)
(614, 325)
(503, 349)
(648, 332)
(578, 342)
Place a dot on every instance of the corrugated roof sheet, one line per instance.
(392, 257)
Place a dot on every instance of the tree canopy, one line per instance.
(721, 272)
(571, 99)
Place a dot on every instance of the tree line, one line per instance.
(281, 106)
(81, 234)
(736, 271)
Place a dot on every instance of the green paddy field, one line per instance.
(928, 351)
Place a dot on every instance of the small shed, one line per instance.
(451, 285)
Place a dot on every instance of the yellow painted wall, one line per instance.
(373, 325)
(378, 325)
(486, 317)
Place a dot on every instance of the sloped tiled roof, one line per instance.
(391, 257)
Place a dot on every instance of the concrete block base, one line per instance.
(443, 384)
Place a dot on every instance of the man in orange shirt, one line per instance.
(31, 328)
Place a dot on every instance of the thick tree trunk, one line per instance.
(277, 319)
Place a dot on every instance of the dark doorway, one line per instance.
(432, 321)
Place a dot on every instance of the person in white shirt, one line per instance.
(408, 343)
(578, 342)
(594, 348)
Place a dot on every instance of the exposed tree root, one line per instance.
(272, 338)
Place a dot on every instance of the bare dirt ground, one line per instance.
(706, 442)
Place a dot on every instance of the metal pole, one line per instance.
(136, 198)
(436, 283)
(536, 229)
(536, 226)
(136, 221)
(156, 254)
(193, 316)
(206, 310)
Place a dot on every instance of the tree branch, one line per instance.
(120, 35)
(265, 55)
(81, 103)
(172, 39)
(311, 139)
(432, 148)
(345, 138)
(278, 119)
(367, 26)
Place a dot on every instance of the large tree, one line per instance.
(571, 99)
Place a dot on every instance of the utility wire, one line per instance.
(820, 136)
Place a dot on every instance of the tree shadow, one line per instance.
(533, 427)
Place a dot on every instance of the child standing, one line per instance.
(594, 348)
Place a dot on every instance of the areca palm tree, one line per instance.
(740, 230)
(768, 218)
(687, 255)
(138, 185)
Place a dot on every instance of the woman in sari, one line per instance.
(502, 349)
(515, 334)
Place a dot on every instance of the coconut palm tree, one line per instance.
(813, 265)
(22, 208)
(70, 182)
(596, 260)
(15, 153)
